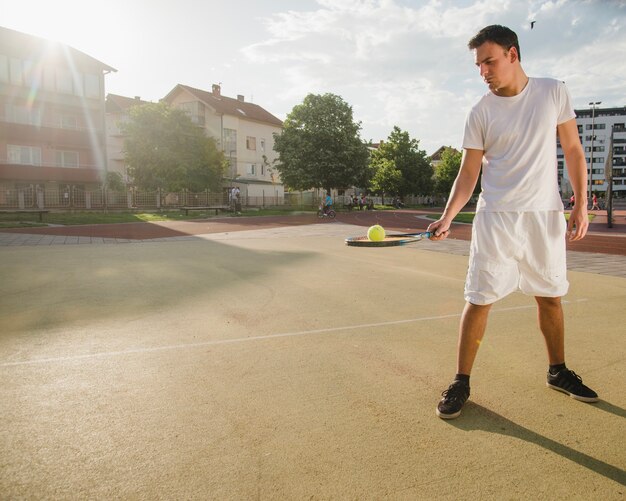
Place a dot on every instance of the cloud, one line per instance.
(407, 63)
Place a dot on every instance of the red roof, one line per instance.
(119, 104)
(228, 106)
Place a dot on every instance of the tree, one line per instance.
(165, 149)
(386, 177)
(320, 147)
(447, 170)
(404, 153)
(115, 181)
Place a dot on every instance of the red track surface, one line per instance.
(600, 239)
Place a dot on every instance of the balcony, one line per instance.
(43, 173)
(54, 135)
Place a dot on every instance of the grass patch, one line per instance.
(93, 217)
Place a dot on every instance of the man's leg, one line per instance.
(550, 317)
(471, 331)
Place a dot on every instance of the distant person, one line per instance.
(594, 202)
(237, 200)
(510, 133)
(328, 203)
(362, 202)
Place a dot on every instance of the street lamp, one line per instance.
(593, 136)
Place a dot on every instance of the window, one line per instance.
(77, 80)
(263, 145)
(69, 122)
(92, 86)
(17, 75)
(67, 159)
(251, 170)
(230, 142)
(23, 115)
(4, 68)
(251, 143)
(24, 155)
(64, 81)
(32, 74)
(194, 110)
(49, 78)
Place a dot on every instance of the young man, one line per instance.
(518, 236)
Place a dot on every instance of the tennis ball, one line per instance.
(376, 233)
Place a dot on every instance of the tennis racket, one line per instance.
(389, 240)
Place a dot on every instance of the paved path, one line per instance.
(603, 251)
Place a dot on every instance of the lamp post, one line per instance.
(593, 136)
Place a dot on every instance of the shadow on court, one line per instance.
(45, 288)
(479, 418)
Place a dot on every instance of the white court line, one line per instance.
(254, 338)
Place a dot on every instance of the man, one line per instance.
(518, 236)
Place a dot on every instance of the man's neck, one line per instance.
(518, 84)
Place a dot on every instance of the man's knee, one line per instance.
(548, 302)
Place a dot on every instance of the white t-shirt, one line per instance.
(518, 137)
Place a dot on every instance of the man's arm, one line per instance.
(577, 170)
(461, 192)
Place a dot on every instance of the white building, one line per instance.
(597, 149)
(245, 133)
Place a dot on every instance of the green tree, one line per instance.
(320, 147)
(404, 153)
(447, 170)
(386, 178)
(165, 149)
(115, 181)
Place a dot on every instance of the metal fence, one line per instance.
(73, 198)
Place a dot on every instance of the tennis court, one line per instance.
(282, 364)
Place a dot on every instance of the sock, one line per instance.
(555, 369)
(462, 377)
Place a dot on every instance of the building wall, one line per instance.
(602, 121)
(51, 118)
(251, 155)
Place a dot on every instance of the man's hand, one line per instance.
(578, 223)
(440, 229)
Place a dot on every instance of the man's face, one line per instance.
(496, 65)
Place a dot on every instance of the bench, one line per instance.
(41, 212)
(216, 208)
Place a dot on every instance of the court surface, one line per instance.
(282, 364)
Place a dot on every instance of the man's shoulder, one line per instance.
(546, 83)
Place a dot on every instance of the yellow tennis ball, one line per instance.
(376, 233)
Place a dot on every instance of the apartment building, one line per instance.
(595, 126)
(117, 113)
(52, 119)
(245, 133)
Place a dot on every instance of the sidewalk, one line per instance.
(590, 262)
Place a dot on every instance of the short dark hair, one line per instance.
(497, 34)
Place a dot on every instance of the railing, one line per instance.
(76, 199)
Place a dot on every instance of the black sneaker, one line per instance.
(453, 400)
(571, 383)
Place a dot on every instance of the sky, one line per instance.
(398, 63)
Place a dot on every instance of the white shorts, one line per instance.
(513, 251)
